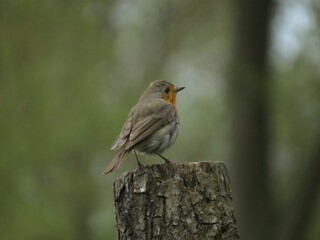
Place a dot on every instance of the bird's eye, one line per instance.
(167, 90)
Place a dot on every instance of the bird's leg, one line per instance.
(139, 163)
(165, 159)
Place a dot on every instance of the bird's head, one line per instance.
(165, 90)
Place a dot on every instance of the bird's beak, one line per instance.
(178, 89)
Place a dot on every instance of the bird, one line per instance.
(152, 125)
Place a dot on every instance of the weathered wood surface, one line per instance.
(176, 201)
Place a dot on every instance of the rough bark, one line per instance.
(175, 201)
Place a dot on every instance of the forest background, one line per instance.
(71, 70)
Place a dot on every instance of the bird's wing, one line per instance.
(124, 134)
(150, 119)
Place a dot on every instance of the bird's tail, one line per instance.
(116, 162)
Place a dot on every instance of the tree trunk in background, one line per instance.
(248, 96)
(297, 217)
(175, 201)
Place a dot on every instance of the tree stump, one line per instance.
(175, 201)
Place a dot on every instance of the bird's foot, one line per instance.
(139, 163)
(164, 158)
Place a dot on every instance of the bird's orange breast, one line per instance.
(171, 96)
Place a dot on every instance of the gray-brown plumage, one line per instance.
(152, 124)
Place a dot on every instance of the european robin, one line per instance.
(152, 125)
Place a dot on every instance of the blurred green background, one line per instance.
(71, 70)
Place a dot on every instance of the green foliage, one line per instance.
(54, 126)
(71, 70)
